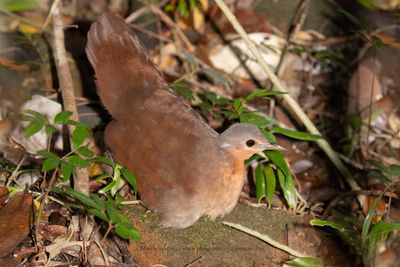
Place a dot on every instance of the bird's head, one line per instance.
(244, 140)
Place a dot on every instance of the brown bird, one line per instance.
(184, 168)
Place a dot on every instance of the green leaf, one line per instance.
(112, 213)
(99, 214)
(205, 106)
(383, 228)
(375, 174)
(50, 129)
(77, 161)
(306, 262)
(379, 165)
(48, 154)
(79, 135)
(238, 106)
(105, 160)
(185, 93)
(19, 5)
(269, 136)
(183, 9)
(328, 54)
(368, 220)
(212, 97)
(24, 117)
(127, 231)
(130, 178)
(169, 7)
(38, 116)
(32, 128)
(263, 93)
(339, 226)
(102, 177)
(277, 158)
(295, 134)
(394, 170)
(289, 190)
(62, 117)
(84, 151)
(82, 198)
(100, 203)
(255, 119)
(377, 42)
(368, 4)
(260, 183)
(66, 169)
(108, 187)
(50, 164)
(270, 181)
(215, 76)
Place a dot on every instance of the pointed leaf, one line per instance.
(48, 154)
(379, 165)
(289, 191)
(394, 170)
(127, 231)
(270, 181)
(263, 93)
(62, 116)
(78, 161)
(79, 135)
(82, 197)
(108, 187)
(260, 183)
(295, 134)
(84, 151)
(105, 160)
(112, 213)
(99, 214)
(50, 164)
(306, 262)
(66, 169)
(32, 128)
(383, 228)
(255, 119)
(50, 129)
(130, 178)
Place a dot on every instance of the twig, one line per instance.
(171, 23)
(322, 143)
(266, 239)
(81, 181)
(16, 170)
(103, 253)
(51, 12)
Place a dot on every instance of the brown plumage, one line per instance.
(184, 168)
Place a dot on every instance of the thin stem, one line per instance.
(267, 239)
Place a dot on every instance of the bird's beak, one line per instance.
(269, 146)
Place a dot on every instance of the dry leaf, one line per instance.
(15, 222)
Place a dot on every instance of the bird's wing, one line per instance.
(154, 133)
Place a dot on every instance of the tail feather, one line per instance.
(125, 73)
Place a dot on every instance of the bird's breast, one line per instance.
(228, 190)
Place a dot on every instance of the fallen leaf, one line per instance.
(15, 221)
(55, 248)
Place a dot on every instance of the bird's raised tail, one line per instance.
(125, 73)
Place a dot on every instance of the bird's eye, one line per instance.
(250, 143)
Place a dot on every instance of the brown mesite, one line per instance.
(184, 168)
